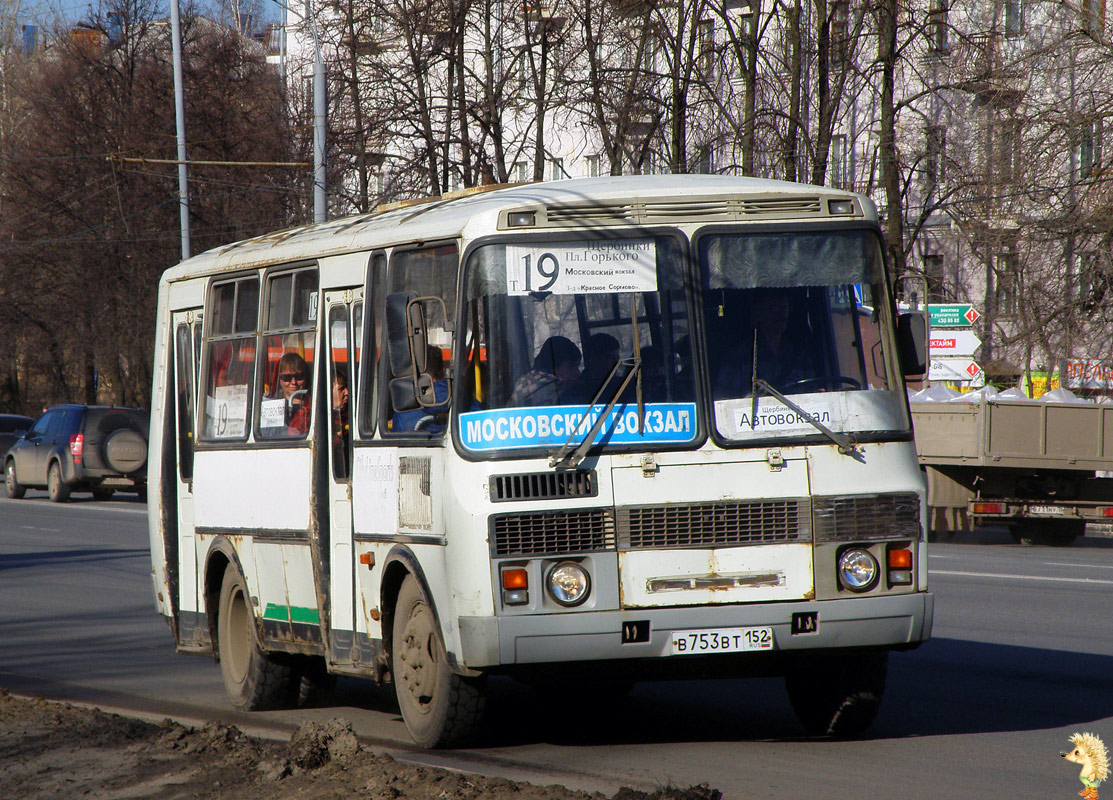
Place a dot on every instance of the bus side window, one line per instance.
(429, 272)
(367, 396)
(287, 359)
(234, 310)
(183, 375)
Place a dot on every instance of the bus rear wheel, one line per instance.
(254, 680)
(440, 708)
(837, 695)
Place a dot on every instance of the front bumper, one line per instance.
(886, 621)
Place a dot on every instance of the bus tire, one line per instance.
(59, 491)
(15, 489)
(440, 708)
(254, 680)
(837, 695)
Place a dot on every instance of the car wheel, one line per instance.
(59, 491)
(439, 707)
(15, 489)
(254, 680)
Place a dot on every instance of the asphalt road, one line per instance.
(1022, 656)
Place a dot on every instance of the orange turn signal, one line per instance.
(900, 559)
(515, 579)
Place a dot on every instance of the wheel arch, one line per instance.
(399, 563)
(221, 554)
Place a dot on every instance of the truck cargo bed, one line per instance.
(1015, 434)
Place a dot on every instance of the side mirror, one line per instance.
(411, 386)
(912, 342)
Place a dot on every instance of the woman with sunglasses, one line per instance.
(293, 380)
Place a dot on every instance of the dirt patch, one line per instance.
(53, 751)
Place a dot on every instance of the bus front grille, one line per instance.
(552, 532)
(867, 517)
(543, 485)
(723, 524)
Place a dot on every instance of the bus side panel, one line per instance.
(262, 496)
(396, 496)
(163, 557)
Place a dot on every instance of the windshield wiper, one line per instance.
(565, 458)
(841, 440)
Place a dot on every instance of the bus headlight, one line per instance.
(858, 570)
(569, 583)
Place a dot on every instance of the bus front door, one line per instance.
(186, 327)
(345, 324)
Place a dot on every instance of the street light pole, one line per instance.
(320, 121)
(179, 119)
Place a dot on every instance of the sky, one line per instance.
(45, 12)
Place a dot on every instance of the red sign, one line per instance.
(971, 315)
(1088, 374)
(942, 343)
(973, 369)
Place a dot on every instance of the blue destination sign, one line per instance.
(551, 426)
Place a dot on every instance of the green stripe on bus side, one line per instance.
(291, 613)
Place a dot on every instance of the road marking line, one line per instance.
(1084, 566)
(1017, 577)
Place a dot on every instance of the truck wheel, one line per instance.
(1050, 533)
(59, 491)
(837, 695)
(440, 708)
(1062, 533)
(16, 490)
(254, 680)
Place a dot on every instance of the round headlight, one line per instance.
(569, 583)
(858, 570)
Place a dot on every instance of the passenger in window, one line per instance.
(601, 353)
(784, 355)
(293, 381)
(340, 424)
(554, 373)
(431, 419)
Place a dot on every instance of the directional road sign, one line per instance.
(952, 315)
(953, 369)
(958, 342)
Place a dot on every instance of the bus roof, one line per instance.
(577, 203)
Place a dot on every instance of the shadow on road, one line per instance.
(947, 687)
(44, 557)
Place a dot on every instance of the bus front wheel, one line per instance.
(254, 680)
(440, 708)
(837, 695)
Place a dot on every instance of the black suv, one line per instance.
(92, 448)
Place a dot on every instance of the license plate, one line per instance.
(721, 640)
(1049, 510)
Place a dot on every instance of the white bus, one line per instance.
(589, 432)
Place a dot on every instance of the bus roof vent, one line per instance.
(677, 209)
(593, 214)
(543, 486)
(674, 209)
(770, 206)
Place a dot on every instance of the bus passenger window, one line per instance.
(287, 363)
(231, 362)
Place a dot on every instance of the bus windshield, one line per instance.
(800, 312)
(556, 332)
